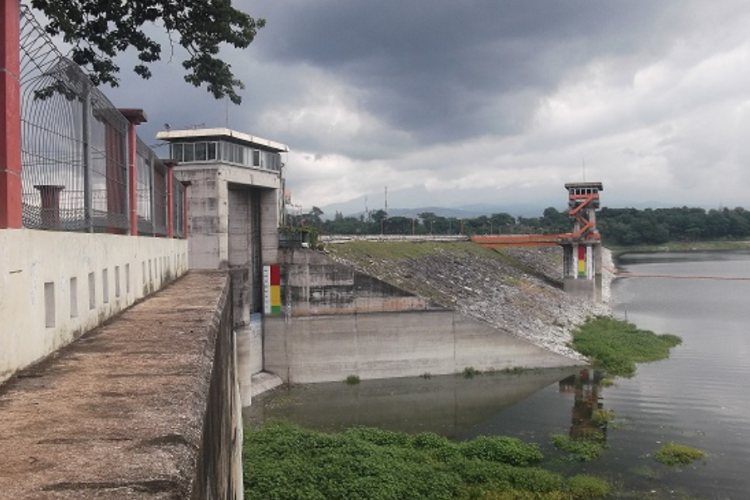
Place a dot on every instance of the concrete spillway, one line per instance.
(339, 322)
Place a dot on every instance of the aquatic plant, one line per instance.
(587, 487)
(677, 454)
(583, 449)
(607, 382)
(282, 460)
(470, 372)
(615, 346)
(352, 379)
(502, 449)
(603, 415)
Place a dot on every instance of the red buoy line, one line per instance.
(620, 274)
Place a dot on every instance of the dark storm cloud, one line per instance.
(456, 69)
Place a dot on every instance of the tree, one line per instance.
(100, 29)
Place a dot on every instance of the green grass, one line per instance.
(362, 251)
(284, 461)
(615, 346)
(352, 379)
(676, 454)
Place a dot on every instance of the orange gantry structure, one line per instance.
(583, 200)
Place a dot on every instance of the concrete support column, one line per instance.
(10, 108)
(186, 185)
(269, 225)
(170, 164)
(134, 117)
(50, 205)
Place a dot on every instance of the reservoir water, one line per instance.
(698, 397)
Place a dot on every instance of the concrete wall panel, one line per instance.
(317, 285)
(54, 286)
(399, 344)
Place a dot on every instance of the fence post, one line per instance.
(134, 117)
(50, 195)
(126, 163)
(152, 191)
(87, 194)
(170, 164)
(10, 108)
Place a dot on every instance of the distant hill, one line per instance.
(356, 208)
(397, 206)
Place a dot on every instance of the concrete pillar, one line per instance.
(50, 205)
(186, 185)
(10, 107)
(170, 164)
(269, 225)
(134, 117)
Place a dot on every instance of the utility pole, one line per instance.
(385, 217)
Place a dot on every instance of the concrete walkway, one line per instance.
(119, 413)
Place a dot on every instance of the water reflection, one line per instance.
(449, 405)
(586, 422)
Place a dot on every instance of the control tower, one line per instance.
(582, 249)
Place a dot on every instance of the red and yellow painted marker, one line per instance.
(272, 289)
(581, 261)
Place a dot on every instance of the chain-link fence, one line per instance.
(74, 149)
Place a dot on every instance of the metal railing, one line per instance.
(74, 150)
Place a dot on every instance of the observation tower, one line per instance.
(582, 249)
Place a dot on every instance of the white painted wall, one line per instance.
(47, 279)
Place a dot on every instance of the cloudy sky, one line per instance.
(456, 102)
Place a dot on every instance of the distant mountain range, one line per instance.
(357, 207)
(398, 205)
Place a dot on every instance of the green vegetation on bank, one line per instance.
(283, 461)
(615, 346)
(361, 251)
(684, 228)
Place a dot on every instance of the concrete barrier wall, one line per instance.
(393, 344)
(313, 284)
(145, 406)
(219, 469)
(54, 286)
(250, 355)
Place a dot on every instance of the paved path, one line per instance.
(117, 414)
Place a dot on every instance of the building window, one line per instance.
(188, 152)
(176, 152)
(194, 151)
(200, 151)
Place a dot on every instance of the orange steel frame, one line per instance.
(528, 240)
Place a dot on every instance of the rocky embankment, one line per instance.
(518, 290)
